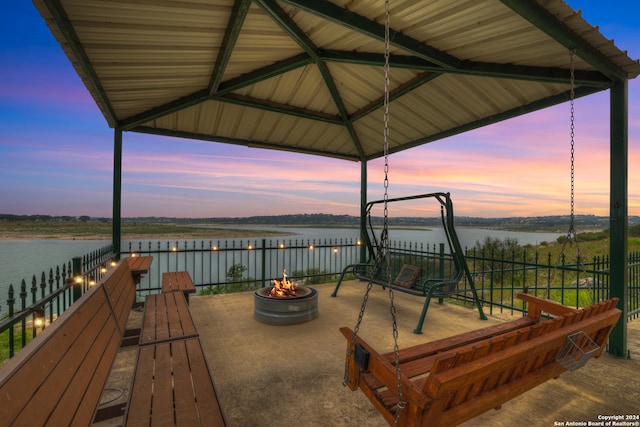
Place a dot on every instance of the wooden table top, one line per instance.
(177, 281)
(139, 264)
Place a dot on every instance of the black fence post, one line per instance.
(441, 268)
(264, 263)
(77, 272)
(10, 302)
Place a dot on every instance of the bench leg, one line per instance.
(346, 269)
(418, 329)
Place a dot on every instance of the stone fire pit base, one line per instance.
(285, 311)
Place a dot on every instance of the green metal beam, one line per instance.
(92, 81)
(162, 110)
(341, 16)
(195, 98)
(543, 20)
(260, 74)
(285, 22)
(535, 74)
(403, 89)
(619, 198)
(279, 108)
(242, 142)
(288, 25)
(481, 69)
(236, 20)
(116, 219)
(515, 112)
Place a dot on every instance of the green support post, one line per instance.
(363, 211)
(116, 231)
(619, 268)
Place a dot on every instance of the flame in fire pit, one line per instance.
(283, 288)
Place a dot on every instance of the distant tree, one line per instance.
(235, 273)
(495, 251)
(84, 218)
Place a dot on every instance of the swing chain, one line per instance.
(572, 232)
(385, 238)
(572, 236)
(384, 253)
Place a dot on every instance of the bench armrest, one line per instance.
(383, 371)
(437, 286)
(539, 305)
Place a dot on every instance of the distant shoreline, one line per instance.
(77, 230)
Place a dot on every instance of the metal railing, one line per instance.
(228, 266)
(242, 265)
(31, 309)
(499, 277)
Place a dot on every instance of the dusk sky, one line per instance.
(56, 150)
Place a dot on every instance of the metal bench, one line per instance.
(452, 380)
(423, 274)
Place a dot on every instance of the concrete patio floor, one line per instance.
(292, 375)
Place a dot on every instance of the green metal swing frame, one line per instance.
(429, 287)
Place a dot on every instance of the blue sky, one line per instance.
(56, 150)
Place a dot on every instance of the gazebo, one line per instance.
(306, 76)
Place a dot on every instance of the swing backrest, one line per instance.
(464, 383)
(452, 266)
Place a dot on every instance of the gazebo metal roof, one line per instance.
(307, 75)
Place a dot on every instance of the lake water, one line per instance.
(23, 258)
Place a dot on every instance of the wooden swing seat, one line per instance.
(451, 380)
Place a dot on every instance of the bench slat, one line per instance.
(205, 391)
(142, 398)
(121, 290)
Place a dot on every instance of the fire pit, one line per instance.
(285, 303)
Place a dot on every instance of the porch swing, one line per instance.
(427, 274)
(451, 380)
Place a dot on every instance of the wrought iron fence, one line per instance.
(499, 277)
(237, 265)
(240, 265)
(32, 308)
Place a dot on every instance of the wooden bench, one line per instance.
(178, 281)
(57, 379)
(452, 380)
(172, 382)
(166, 317)
(172, 385)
